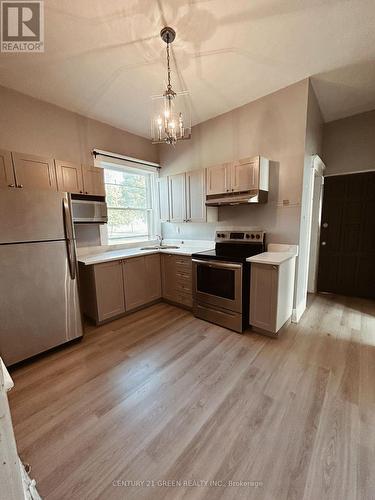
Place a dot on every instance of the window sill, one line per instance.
(132, 243)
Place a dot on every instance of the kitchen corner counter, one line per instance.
(126, 253)
(271, 258)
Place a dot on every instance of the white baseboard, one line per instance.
(298, 311)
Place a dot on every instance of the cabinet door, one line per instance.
(135, 283)
(69, 177)
(218, 179)
(263, 296)
(168, 275)
(244, 175)
(177, 199)
(164, 199)
(152, 277)
(34, 172)
(7, 178)
(93, 180)
(109, 290)
(196, 196)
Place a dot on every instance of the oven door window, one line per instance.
(217, 282)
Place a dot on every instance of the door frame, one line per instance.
(316, 216)
(314, 167)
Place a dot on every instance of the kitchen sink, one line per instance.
(160, 247)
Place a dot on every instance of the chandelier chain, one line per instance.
(168, 65)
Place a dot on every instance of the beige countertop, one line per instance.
(126, 253)
(272, 258)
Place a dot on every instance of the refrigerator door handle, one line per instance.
(69, 233)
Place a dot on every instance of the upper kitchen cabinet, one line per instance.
(244, 174)
(34, 172)
(69, 177)
(248, 174)
(183, 198)
(218, 179)
(7, 178)
(93, 180)
(195, 196)
(177, 198)
(164, 199)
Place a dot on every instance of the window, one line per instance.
(130, 194)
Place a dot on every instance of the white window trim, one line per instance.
(154, 223)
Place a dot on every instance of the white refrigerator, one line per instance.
(39, 303)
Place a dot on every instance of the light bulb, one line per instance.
(172, 125)
(166, 113)
(159, 121)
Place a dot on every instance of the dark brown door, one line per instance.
(347, 239)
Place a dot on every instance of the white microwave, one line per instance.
(89, 211)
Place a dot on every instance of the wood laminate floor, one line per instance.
(160, 396)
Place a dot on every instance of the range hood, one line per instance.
(246, 182)
(240, 198)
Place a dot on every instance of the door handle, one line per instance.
(324, 243)
(69, 234)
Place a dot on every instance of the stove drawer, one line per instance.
(227, 319)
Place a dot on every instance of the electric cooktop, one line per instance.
(234, 246)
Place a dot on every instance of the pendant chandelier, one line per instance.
(171, 119)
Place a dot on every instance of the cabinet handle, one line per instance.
(81, 192)
(11, 185)
(20, 186)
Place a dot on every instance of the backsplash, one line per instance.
(87, 235)
(281, 223)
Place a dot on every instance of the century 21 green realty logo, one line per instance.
(22, 26)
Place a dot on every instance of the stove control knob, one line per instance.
(252, 236)
(258, 236)
(248, 236)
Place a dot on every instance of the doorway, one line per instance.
(347, 237)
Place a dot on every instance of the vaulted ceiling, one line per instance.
(104, 59)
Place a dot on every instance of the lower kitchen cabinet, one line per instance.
(271, 295)
(102, 290)
(176, 271)
(110, 289)
(142, 282)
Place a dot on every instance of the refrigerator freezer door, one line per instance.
(39, 305)
(27, 215)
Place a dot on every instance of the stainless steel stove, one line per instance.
(221, 278)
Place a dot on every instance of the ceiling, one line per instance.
(104, 59)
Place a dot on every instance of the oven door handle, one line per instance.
(219, 265)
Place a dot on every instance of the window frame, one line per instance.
(152, 210)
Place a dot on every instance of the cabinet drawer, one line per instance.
(183, 286)
(183, 298)
(183, 265)
(183, 275)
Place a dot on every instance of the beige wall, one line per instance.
(349, 144)
(31, 126)
(273, 126)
